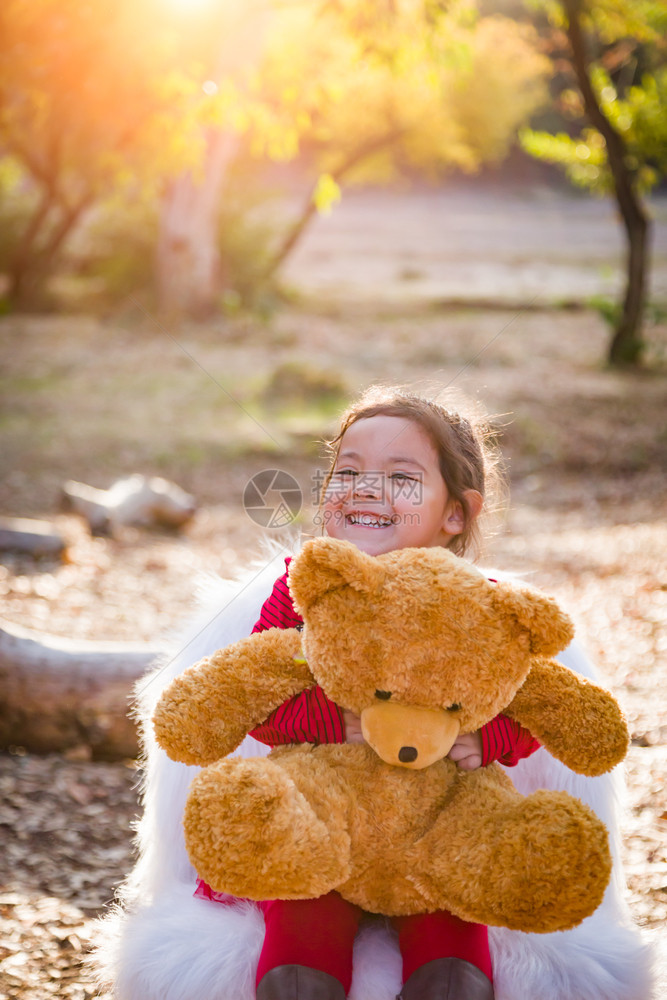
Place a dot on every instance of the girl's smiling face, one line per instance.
(387, 491)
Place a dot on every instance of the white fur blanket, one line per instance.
(160, 943)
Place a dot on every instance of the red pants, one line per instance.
(320, 933)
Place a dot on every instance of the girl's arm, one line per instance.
(308, 717)
(502, 739)
(278, 609)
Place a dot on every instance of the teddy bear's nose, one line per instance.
(406, 755)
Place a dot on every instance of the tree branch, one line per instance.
(310, 208)
(616, 150)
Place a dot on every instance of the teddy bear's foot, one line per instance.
(552, 863)
(546, 866)
(251, 832)
(539, 863)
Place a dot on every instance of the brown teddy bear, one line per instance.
(422, 646)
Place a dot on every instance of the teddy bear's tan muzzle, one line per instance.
(408, 736)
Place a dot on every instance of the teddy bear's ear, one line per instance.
(550, 628)
(326, 563)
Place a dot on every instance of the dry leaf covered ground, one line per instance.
(92, 401)
(66, 822)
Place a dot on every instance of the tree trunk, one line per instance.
(19, 267)
(188, 266)
(188, 260)
(627, 343)
(57, 694)
(34, 264)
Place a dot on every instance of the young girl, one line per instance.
(405, 472)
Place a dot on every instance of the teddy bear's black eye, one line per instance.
(383, 695)
(454, 708)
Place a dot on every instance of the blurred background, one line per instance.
(219, 220)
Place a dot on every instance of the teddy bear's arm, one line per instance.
(205, 712)
(578, 722)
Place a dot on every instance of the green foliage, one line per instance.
(644, 21)
(609, 310)
(583, 158)
(615, 51)
(640, 117)
(117, 249)
(327, 193)
(16, 205)
(118, 246)
(93, 99)
(245, 240)
(99, 96)
(389, 86)
(296, 385)
(629, 78)
(121, 96)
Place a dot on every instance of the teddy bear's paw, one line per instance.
(549, 866)
(250, 832)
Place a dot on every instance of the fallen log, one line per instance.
(35, 538)
(58, 694)
(151, 502)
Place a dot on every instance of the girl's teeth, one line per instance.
(369, 522)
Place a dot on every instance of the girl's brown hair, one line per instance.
(466, 456)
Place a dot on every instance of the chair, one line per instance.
(159, 942)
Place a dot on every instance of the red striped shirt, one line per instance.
(278, 610)
(311, 717)
(504, 740)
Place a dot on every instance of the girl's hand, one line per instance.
(467, 752)
(353, 732)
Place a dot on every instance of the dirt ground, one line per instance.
(97, 398)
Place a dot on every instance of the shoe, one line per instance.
(299, 982)
(447, 979)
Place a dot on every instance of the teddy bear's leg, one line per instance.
(538, 863)
(253, 831)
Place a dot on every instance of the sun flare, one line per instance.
(188, 6)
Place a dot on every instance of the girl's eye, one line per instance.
(403, 475)
(346, 472)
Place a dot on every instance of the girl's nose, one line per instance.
(368, 486)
